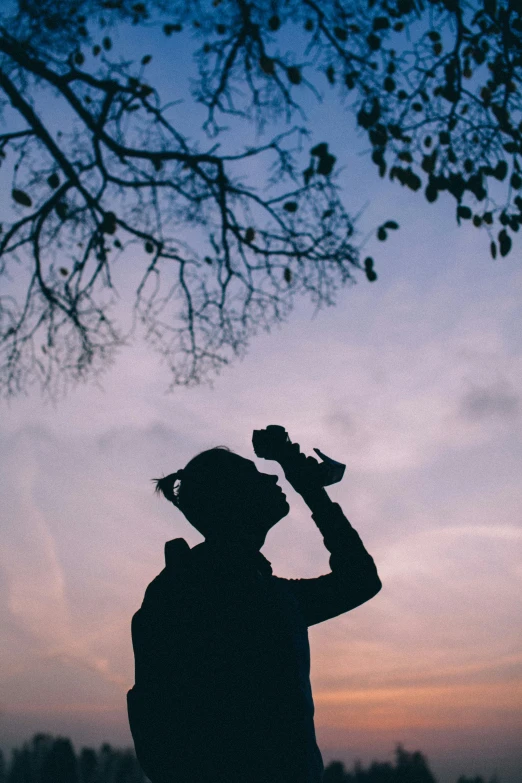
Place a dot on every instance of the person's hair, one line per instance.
(199, 492)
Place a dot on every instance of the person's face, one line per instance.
(257, 499)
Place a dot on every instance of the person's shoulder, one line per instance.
(176, 552)
(154, 593)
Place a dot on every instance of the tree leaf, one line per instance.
(294, 74)
(290, 206)
(500, 170)
(53, 180)
(108, 225)
(413, 181)
(326, 164)
(21, 197)
(168, 29)
(374, 42)
(369, 270)
(61, 210)
(288, 275)
(267, 65)
(308, 174)
(504, 241)
(431, 193)
(320, 150)
(381, 23)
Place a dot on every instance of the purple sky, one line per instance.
(414, 382)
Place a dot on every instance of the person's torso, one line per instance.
(242, 669)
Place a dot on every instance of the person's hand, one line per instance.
(301, 472)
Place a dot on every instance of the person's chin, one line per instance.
(279, 510)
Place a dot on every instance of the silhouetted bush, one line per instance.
(53, 760)
(476, 779)
(46, 759)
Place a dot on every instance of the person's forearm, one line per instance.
(317, 499)
(329, 516)
(340, 538)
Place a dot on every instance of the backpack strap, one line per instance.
(176, 551)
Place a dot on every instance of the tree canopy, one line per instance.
(100, 171)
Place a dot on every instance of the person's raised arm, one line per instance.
(353, 579)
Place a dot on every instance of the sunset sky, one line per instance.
(415, 382)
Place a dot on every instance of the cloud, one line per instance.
(29, 559)
(487, 402)
(37, 577)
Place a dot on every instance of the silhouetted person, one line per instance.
(222, 681)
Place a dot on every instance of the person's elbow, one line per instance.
(376, 585)
(365, 588)
(372, 585)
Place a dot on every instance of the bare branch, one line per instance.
(434, 87)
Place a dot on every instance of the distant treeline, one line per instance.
(46, 759)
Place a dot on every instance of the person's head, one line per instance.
(225, 497)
